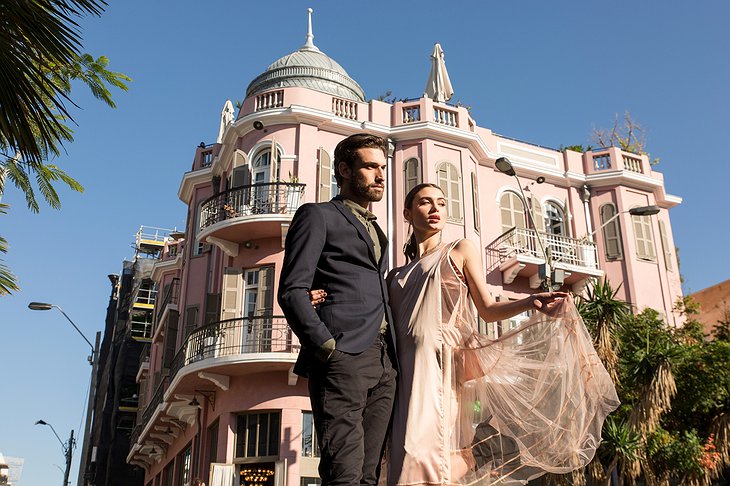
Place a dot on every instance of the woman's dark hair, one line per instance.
(410, 249)
(346, 150)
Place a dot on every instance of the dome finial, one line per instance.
(309, 44)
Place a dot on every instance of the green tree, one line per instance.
(626, 134)
(673, 426)
(41, 60)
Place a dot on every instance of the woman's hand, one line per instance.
(548, 302)
(317, 296)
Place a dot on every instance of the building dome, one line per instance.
(308, 67)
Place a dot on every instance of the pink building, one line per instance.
(218, 399)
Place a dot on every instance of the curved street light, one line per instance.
(94, 362)
(67, 449)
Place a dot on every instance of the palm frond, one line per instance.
(37, 36)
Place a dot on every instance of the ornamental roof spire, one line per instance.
(309, 44)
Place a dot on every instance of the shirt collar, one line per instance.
(353, 206)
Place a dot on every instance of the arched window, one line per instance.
(411, 174)
(327, 183)
(665, 245)
(554, 218)
(643, 238)
(449, 182)
(261, 168)
(512, 210)
(611, 233)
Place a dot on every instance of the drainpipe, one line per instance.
(585, 196)
(390, 185)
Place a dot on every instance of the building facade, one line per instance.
(218, 399)
(127, 334)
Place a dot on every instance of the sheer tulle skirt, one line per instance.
(475, 410)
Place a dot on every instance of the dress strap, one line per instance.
(459, 274)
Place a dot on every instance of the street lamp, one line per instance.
(550, 276)
(94, 362)
(67, 449)
(638, 211)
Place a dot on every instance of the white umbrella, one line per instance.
(438, 86)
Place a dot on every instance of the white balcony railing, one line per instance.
(344, 108)
(272, 99)
(444, 117)
(411, 114)
(524, 242)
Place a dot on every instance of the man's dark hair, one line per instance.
(346, 150)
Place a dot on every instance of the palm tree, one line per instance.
(621, 446)
(8, 282)
(604, 314)
(38, 38)
(39, 59)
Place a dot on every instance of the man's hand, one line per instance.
(317, 296)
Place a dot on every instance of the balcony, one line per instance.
(613, 159)
(208, 358)
(167, 304)
(518, 253)
(233, 347)
(249, 212)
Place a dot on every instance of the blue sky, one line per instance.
(545, 72)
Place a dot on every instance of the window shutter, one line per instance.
(539, 223)
(212, 308)
(241, 176)
(475, 201)
(325, 176)
(643, 238)
(611, 233)
(665, 245)
(170, 344)
(448, 181)
(412, 174)
(266, 291)
(513, 211)
(231, 296)
(191, 320)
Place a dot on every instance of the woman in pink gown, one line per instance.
(474, 410)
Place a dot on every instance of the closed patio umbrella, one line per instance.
(438, 86)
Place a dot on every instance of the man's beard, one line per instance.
(361, 189)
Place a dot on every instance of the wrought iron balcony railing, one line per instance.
(171, 296)
(251, 200)
(235, 337)
(522, 241)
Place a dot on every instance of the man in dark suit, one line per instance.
(347, 344)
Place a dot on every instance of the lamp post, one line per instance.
(547, 270)
(67, 449)
(638, 211)
(94, 362)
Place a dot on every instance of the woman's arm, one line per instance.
(466, 258)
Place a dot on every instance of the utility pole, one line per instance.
(90, 409)
(69, 455)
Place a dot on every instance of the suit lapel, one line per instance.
(358, 226)
(383, 244)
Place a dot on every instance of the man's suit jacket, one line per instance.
(328, 248)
